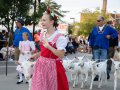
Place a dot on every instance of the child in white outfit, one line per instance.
(26, 47)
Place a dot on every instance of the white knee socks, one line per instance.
(21, 77)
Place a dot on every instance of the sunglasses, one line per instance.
(99, 20)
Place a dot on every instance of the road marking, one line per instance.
(8, 61)
(7, 66)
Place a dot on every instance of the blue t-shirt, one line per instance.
(18, 36)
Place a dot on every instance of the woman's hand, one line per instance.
(59, 53)
(32, 52)
(35, 55)
(17, 62)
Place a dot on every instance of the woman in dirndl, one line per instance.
(49, 73)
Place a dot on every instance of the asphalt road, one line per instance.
(9, 82)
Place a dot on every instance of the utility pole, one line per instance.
(104, 7)
(34, 19)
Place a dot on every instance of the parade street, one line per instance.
(9, 82)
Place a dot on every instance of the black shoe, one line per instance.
(22, 74)
(26, 82)
(17, 75)
(20, 82)
(96, 78)
(108, 74)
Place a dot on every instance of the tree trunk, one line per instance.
(39, 1)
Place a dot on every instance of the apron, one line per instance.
(49, 73)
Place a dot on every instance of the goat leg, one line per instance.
(91, 84)
(115, 81)
(82, 84)
(100, 81)
(74, 83)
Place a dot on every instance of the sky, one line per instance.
(76, 6)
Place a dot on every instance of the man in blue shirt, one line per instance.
(99, 39)
(18, 36)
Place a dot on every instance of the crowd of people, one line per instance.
(75, 44)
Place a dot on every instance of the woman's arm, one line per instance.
(36, 55)
(59, 53)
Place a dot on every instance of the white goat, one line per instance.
(83, 66)
(99, 69)
(27, 69)
(67, 63)
(75, 68)
(72, 69)
(116, 73)
(85, 69)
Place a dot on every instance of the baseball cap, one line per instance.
(20, 21)
(101, 18)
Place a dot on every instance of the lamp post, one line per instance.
(115, 14)
(73, 19)
(34, 19)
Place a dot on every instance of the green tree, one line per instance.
(43, 6)
(70, 29)
(117, 26)
(88, 21)
(5, 6)
(38, 14)
(11, 9)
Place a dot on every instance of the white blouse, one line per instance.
(61, 42)
(26, 45)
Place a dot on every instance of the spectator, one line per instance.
(18, 36)
(1, 45)
(75, 44)
(37, 43)
(4, 37)
(119, 38)
(39, 32)
(113, 43)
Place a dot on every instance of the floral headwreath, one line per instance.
(54, 10)
(52, 14)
